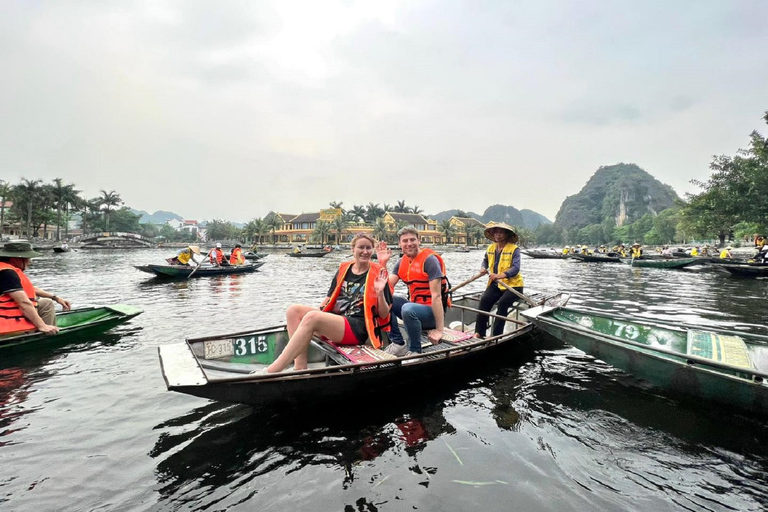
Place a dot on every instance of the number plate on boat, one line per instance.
(216, 349)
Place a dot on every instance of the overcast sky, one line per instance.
(223, 109)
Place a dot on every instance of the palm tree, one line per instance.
(339, 224)
(273, 223)
(337, 204)
(387, 208)
(26, 195)
(447, 228)
(109, 199)
(380, 230)
(5, 190)
(256, 229)
(322, 230)
(416, 210)
(359, 213)
(64, 196)
(402, 208)
(373, 212)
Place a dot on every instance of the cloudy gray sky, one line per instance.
(232, 109)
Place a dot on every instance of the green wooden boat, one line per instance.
(749, 270)
(73, 324)
(661, 263)
(184, 272)
(227, 367)
(720, 366)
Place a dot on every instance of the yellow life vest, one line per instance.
(505, 263)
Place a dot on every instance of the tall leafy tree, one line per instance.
(274, 223)
(322, 230)
(448, 229)
(373, 211)
(380, 231)
(359, 212)
(25, 195)
(338, 225)
(109, 201)
(5, 191)
(401, 207)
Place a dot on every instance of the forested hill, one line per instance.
(620, 193)
(159, 217)
(499, 213)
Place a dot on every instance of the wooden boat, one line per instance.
(222, 367)
(750, 270)
(721, 366)
(61, 249)
(249, 255)
(72, 324)
(317, 254)
(661, 263)
(546, 255)
(597, 258)
(183, 271)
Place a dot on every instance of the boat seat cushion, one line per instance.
(729, 349)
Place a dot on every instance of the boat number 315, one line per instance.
(252, 345)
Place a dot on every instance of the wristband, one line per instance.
(54, 298)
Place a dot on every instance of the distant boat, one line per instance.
(546, 255)
(61, 249)
(318, 254)
(184, 272)
(751, 270)
(661, 263)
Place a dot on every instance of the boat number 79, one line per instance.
(627, 331)
(252, 345)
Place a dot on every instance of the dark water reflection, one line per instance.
(90, 426)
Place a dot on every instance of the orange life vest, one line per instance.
(373, 323)
(411, 271)
(217, 256)
(11, 317)
(236, 258)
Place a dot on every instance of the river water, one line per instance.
(90, 426)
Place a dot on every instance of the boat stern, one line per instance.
(180, 367)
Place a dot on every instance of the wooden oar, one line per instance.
(524, 297)
(473, 278)
(199, 263)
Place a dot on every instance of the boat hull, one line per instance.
(662, 263)
(74, 324)
(184, 272)
(750, 271)
(307, 254)
(677, 373)
(198, 369)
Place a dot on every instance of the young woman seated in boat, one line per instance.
(356, 308)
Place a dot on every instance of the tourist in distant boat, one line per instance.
(23, 307)
(636, 251)
(602, 249)
(423, 271)
(65, 246)
(502, 264)
(695, 251)
(237, 258)
(217, 257)
(186, 256)
(666, 251)
(356, 308)
(297, 249)
(622, 250)
(762, 249)
(726, 253)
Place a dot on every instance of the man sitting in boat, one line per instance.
(297, 249)
(762, 251)
(726, 253)
(357, 308)
(23, 307)
(237, 258)
(423, 271)
(602, 249)
(217, 257)
(666, 251)
(186, 256)
(636, 251)
(566, 250)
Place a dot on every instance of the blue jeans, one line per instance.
(416, 317)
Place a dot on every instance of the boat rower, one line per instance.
(23, 307)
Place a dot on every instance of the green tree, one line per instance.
(358, 212)
(256, 229)
(109, 201)
(380, 231)
(25, 195)
(401, 207)
(218, 229)
(5, 191)
(338, 225)
(372, 212)
(274, 223)
(322, 230)
(447, 229)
